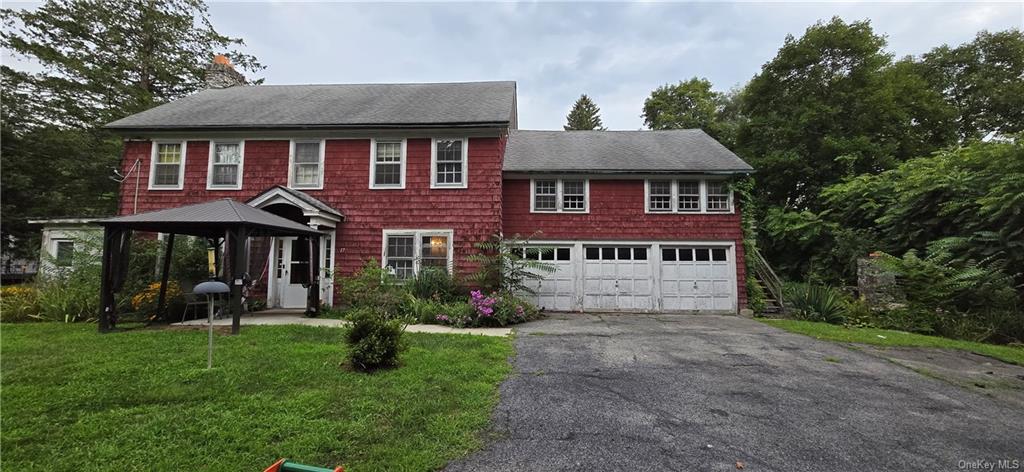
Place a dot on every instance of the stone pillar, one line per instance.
(876, 285)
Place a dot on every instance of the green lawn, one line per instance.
(142, 400)
(830, 332)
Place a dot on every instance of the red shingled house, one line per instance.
(414, 175)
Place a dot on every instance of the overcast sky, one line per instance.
(616, 53)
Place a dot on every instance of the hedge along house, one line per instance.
(414, 175)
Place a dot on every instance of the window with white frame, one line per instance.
(449, 158)
(560, 195)
(225, 170)
(660, 195)
(168, 171)
(688, 196)
(717, 196)
(406, 253)
(307, 163)
(388, 167)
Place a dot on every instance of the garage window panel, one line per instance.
(718, 254)
(563, 254)
(668, 254)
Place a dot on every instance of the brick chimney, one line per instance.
(222, 74)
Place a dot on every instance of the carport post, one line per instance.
(235, 240)
(313, 292)
(107, 278)
(161, 301)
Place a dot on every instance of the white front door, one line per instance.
(292, 272)
(617, 278)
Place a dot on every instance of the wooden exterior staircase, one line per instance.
(770, 284)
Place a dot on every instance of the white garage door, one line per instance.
(617, 278)
(557, 290)
(697, 278)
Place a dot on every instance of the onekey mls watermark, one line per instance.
(986, 464)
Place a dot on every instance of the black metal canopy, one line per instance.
(224, 220)
(211, 219)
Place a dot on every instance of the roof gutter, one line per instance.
(365, 126)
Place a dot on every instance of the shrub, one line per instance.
(503, 267)
(145, 301)
(374, 339)
(497, 309)
(815, 302)
(433, 283)
(19, 303)
(372, 287)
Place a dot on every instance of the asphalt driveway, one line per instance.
(674, 392)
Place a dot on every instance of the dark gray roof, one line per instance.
(673, 151)
(333, 106)
(314, 202)
(211, 219)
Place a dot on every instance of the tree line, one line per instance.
(856, 150)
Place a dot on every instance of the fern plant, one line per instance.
(503, 266)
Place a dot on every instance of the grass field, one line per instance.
(885, 337)
(143, 400)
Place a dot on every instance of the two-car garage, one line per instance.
(649, 276)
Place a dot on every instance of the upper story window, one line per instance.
(307, 162)
(688, 196)
(225, 171)
(560, 195)
(387, 166)
(449, 161)
(167, 171)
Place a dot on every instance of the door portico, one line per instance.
(288, 273)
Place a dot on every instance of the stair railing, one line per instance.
(771, 282)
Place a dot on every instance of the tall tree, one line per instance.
(585, 115)
(100, 60)
(983, 80)
(831, 105)
(693, 104)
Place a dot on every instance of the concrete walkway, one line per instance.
(276, 317)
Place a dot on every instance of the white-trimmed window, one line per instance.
(449, 162)
(688, 196)
(167, 171)
(387, 163)
(560, 196)
(718, 196)
(659, 195)
(225, 169)
(406, 252)
(306, 164)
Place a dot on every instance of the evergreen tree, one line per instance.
(101, 60)
(585, 115)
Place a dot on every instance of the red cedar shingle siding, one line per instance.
(473, 213)
(617, 213)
